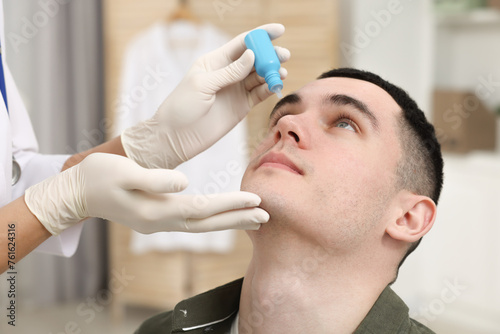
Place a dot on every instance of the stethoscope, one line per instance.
(16, 171)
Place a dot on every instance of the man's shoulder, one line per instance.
(160, 323)
(389, 314)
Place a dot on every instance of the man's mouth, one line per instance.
(281, 161)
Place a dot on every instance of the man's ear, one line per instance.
(417, 215)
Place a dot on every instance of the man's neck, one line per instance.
(313, 291)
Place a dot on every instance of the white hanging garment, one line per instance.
(155, 62)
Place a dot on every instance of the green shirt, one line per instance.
(214, 311)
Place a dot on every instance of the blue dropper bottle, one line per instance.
(267, 63)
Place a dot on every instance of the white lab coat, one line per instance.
(17, 137)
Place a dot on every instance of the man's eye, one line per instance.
(345, 125)
(277, 116)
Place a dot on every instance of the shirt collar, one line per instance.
(389, 314)
(209, 308)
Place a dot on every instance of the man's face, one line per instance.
(326, 169)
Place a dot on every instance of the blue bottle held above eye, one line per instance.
(267, 63)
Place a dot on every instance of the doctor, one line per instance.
(129, 178)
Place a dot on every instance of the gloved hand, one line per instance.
(216, 93)
(116, 188)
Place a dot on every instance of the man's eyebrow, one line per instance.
(345, 100)
(289, 99)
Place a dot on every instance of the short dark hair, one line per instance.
(420, 168)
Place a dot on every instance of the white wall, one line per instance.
(394, 39)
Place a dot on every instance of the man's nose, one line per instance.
(290, 129)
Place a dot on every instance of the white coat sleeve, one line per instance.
(35, 167)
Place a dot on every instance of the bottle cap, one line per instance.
(274, 83)
(277, 90)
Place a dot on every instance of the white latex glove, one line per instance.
(116, 188)
(216, 93)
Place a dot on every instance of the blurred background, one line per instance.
(88, 69)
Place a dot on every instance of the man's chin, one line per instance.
(258, 189)
(272, 202)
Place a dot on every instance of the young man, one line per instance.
(350, 173)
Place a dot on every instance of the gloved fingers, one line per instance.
(154, 180)
(203, 206)
(283, 73)
(283, 56)
(168, 212)
(237, 45)
(232, 73)
(259, 94)
(282, 53)
(233, 49)
(274, 30)
(243, 219)
(253, 80)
